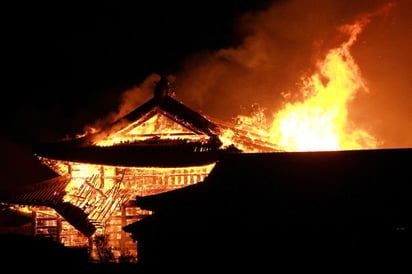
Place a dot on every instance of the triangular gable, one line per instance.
(105, 147)
(156, 118)
(159, 125)
(175, 111)
(155, 125)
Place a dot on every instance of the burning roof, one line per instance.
(162, 132)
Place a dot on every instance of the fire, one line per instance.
(321, 121)
(101, 191)
(249, 133)
(157, 126)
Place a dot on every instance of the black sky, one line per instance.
(64, 57)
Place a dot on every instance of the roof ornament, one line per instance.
(163, 88)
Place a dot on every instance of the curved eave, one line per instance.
(132, 155)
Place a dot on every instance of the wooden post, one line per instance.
(59, 229)
(123, 233)
(34, 222)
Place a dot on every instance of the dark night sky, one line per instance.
(66, 57)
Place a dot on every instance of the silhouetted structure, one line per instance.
(344, 210)
(23, 252)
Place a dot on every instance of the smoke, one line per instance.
(385, 59)
(136, 96)
(129, 100)
(281, 45)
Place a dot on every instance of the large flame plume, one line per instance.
(263, 68)
(295, 39)
(320, 122)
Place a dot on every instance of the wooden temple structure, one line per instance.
(161, 146)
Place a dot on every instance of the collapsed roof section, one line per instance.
(51, 193)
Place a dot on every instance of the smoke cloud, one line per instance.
(129, 100)
(385, 59)
(281, 45)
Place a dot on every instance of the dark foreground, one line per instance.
(335, 212)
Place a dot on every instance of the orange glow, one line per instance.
(248, 133)
(101, 190)
(321, 121)
(158, 126)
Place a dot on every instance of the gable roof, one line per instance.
(150, 153)
(162, 103)
(175, 111)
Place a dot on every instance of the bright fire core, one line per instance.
(321, 121)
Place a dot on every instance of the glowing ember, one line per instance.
(101, 192)
(158, 126)
(321, 121)
(249, 133)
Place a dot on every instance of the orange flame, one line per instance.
(321, 121)
(157, 126)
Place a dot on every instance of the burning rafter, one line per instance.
(96, 202)
(51, 193)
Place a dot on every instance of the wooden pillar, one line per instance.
(34, 222)
(123, 237)
(91, 248)
(69, 169)
(101, 187)
(58, 229)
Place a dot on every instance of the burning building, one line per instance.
(163, 149)
(160, 146)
